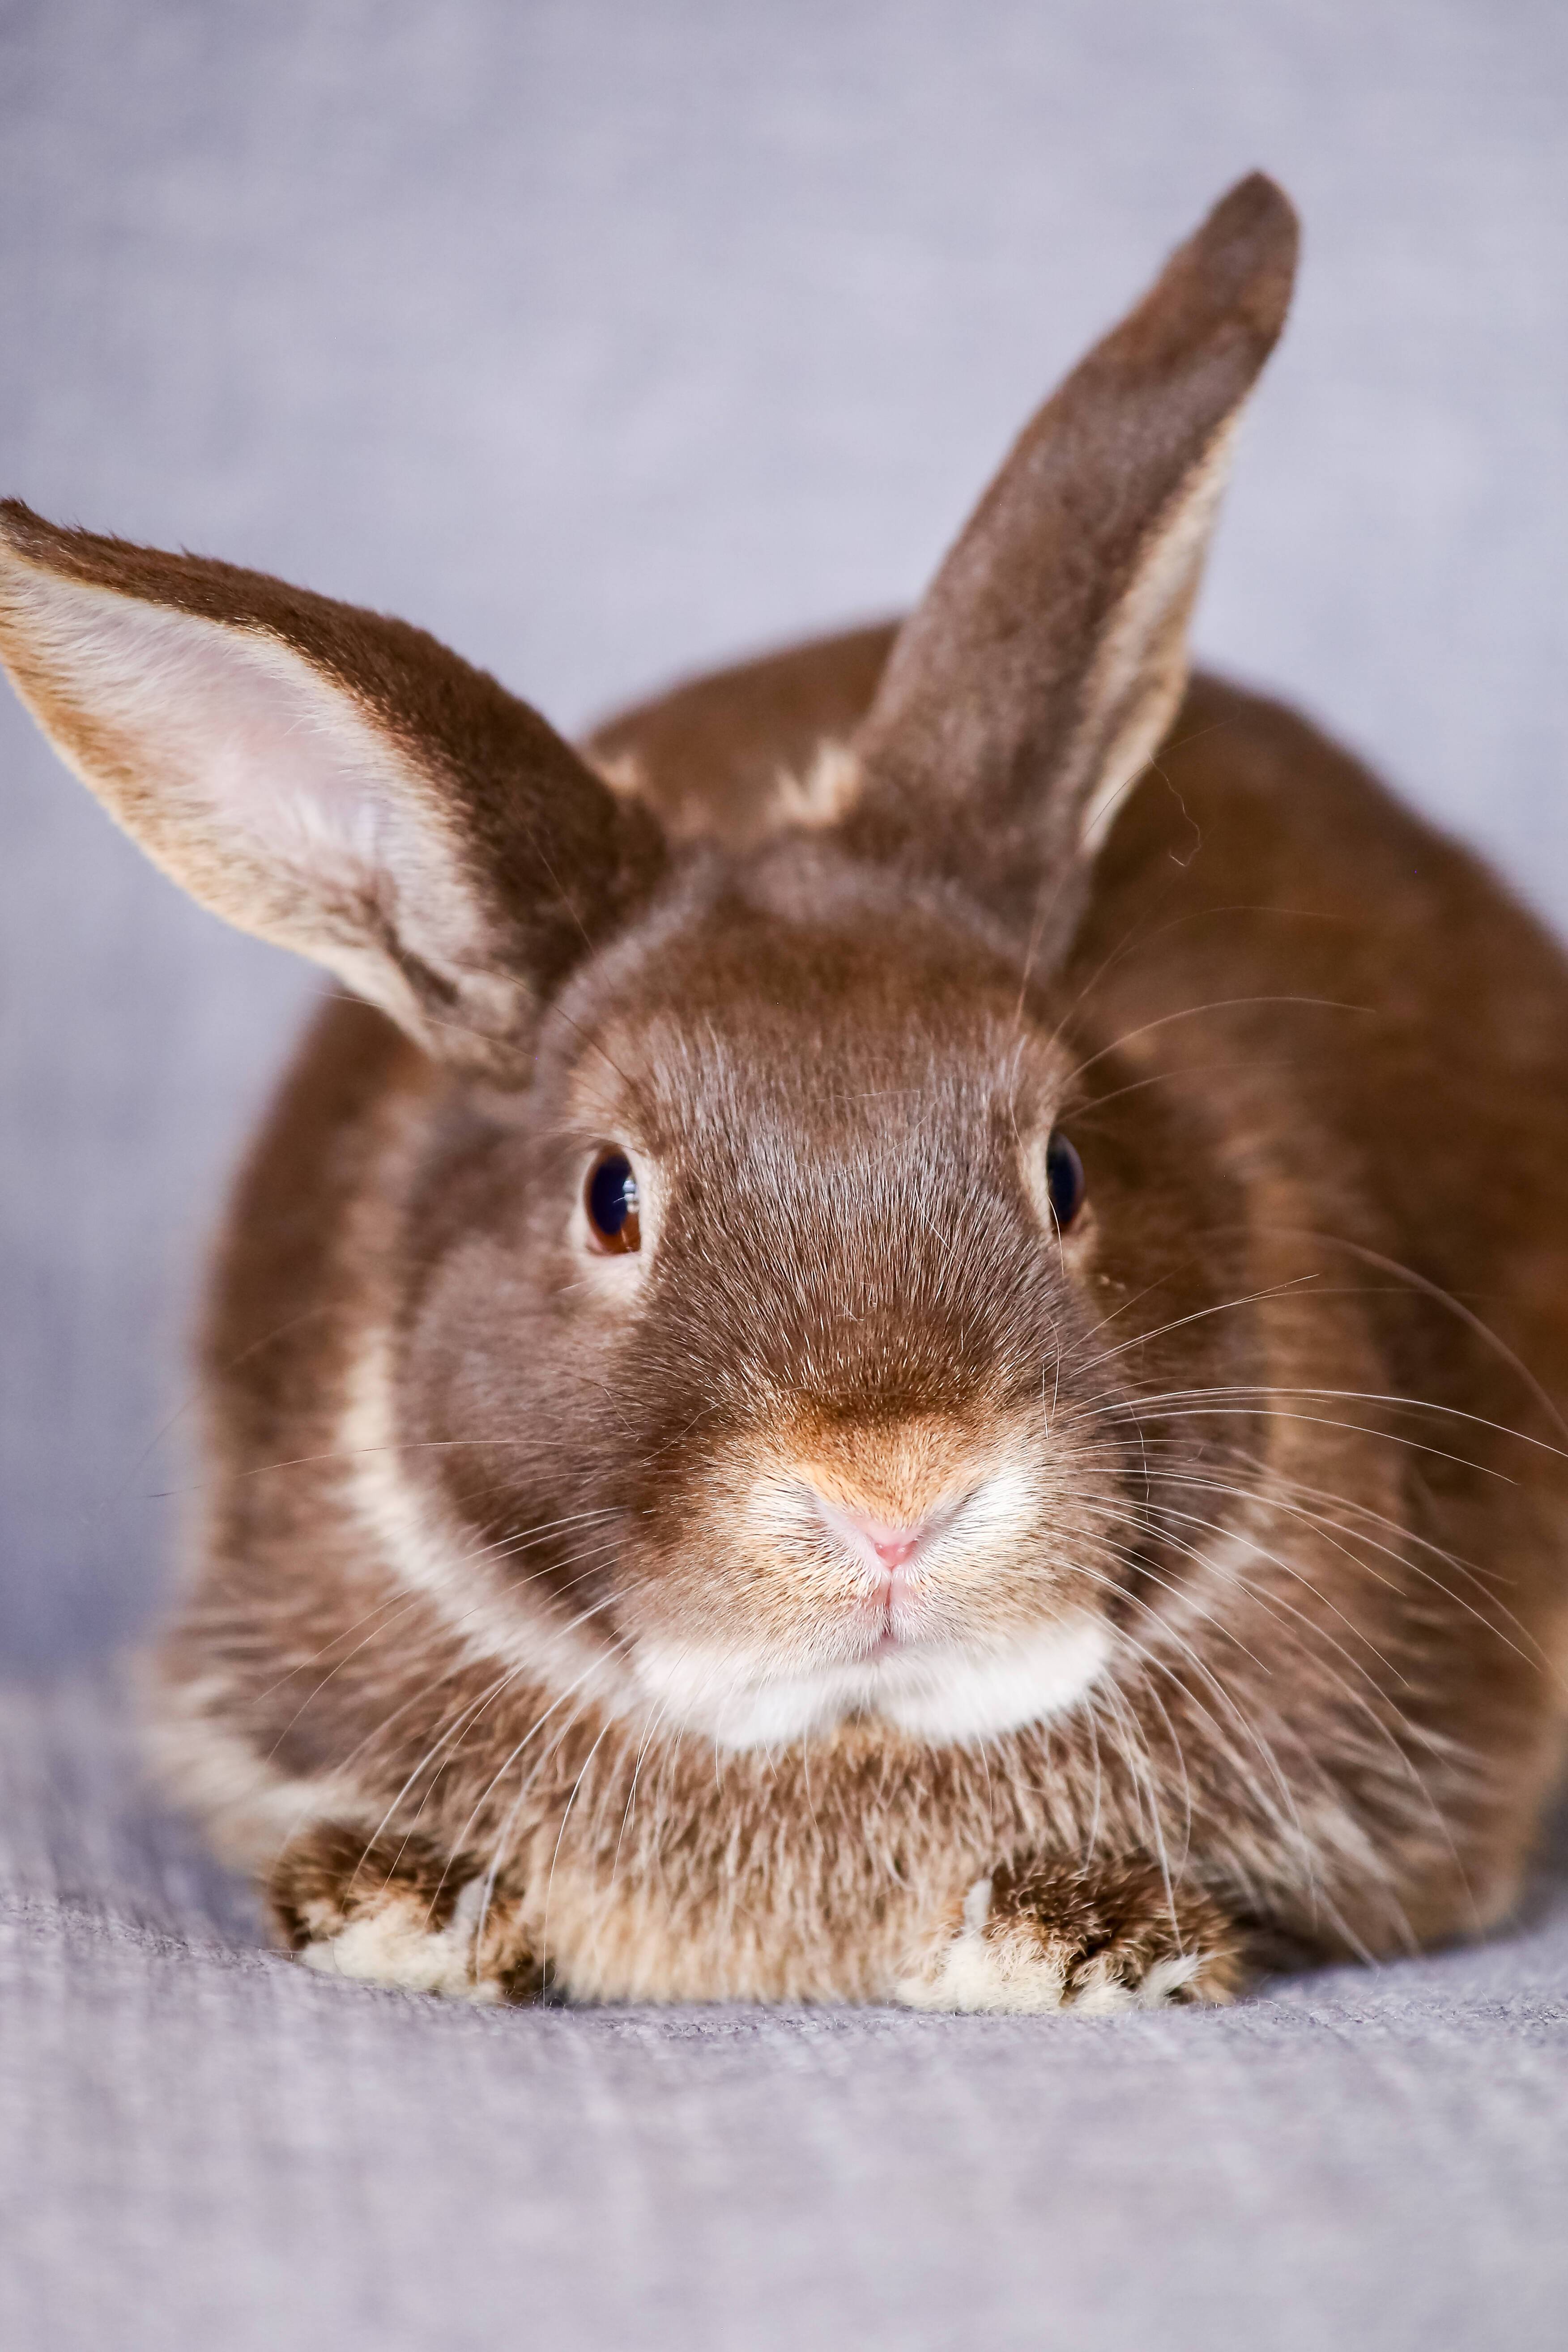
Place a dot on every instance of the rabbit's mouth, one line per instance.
(935, 1692)
(922, 1574)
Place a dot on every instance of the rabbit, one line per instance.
(901, 1336)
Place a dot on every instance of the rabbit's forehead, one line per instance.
(679, 1088)
(817, 1031)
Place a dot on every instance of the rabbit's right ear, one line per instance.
(331, 780)
(1039, 673)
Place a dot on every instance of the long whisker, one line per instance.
(1369, 1396)
(1219, 1004)
(1198, 1315)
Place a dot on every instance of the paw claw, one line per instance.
(977, 1906)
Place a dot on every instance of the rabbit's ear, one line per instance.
(1039, 675)
(331, 780)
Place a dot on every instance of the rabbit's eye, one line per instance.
(1064, 1181)
(610, 1197)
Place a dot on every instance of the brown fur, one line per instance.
(510, 1546)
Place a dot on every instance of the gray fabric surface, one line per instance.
(201, 2144)
(605, 338)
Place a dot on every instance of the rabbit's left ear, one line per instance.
(1049, 657)
(333, 780)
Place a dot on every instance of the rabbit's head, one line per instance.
(756, 1302)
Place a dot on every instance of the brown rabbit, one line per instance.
(906, 1341)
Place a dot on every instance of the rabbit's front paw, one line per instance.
(1059, 1937)
(395, 1912)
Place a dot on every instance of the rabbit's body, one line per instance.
(702, 1502)
(1263, 907)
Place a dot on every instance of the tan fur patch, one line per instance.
(821, 796)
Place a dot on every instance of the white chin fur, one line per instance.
(940, 1695)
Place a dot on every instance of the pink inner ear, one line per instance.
(265, 787)
(237, 729)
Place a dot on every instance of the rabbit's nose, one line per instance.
(877, 1541)
(892, 1545)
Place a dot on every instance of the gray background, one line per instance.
(606, 336)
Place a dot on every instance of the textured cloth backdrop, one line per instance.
(206, 2149)
(606, 337)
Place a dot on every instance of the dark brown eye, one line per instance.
(1064, 1181)
(610, 1197)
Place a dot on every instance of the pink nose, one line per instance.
(891, 1546)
